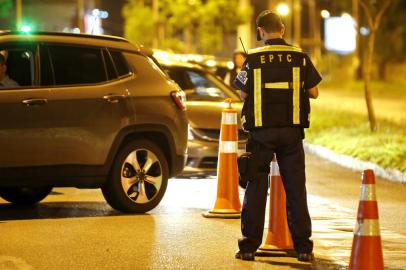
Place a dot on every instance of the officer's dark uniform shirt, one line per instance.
(309, 78)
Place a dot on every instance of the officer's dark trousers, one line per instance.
(287, 144)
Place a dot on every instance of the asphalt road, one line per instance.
(76, 229)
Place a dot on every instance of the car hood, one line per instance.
(207, 114)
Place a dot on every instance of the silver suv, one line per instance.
(88, 112)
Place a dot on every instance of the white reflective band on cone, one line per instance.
(228, 147)
(367, 227)
(229, 118)
(274, 168)
(368, 192)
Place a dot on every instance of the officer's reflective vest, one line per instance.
(276, 96)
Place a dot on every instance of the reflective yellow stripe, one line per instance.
(275, 48)
(257, 98)
(277, 85)
(296, 95)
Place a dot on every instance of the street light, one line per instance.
(25, 28)
(347, 16)
(325, 14)
(282, 9)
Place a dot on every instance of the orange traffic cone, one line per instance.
(278, 237)
(227, 203)
(366, 250)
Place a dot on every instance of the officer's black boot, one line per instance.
(305, 256)
(246, 256)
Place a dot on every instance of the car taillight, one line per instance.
(179, 98)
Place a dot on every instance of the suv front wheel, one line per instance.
(24, 195)
(138, 178)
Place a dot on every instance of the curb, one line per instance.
(353, 163)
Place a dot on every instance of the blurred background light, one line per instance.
(346, 15)
(211, 63)
(282, 9)
(96, 12)
(25, 28)
(364, 31)
(325, 14)
(340, 34)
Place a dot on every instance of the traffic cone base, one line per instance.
(219, 214)
(364, 249)
(281, 241)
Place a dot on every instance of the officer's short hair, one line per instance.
(270, 21)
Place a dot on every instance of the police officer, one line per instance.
(276, 82)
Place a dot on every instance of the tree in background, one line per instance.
(189, 25)
(180, 19)
(219, 17)
(391, 43)
(373, 10)
(139, 26)
(5, 8)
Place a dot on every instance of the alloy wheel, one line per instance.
(141, 176)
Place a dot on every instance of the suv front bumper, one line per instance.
(203, 156)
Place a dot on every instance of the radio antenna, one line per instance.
(243, 45)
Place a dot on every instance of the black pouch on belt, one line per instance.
(247, 167)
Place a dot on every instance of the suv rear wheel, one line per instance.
(138, 178)
(25, 195)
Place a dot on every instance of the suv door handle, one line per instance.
(35, 101)
(113, 98)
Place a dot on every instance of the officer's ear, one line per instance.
(259, 34)
(282, 29)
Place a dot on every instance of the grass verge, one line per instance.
(339, 122)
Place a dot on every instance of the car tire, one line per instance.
(138, 178)
(25, 195)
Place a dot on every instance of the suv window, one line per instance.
(179, 77)
(205, 87)
(111, 72)
(77, 65)
(120, 63)
(19, 67)
(47, 76)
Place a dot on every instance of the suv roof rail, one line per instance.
(46, 33)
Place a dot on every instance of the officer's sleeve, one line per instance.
(313, 77)
(241, 80)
